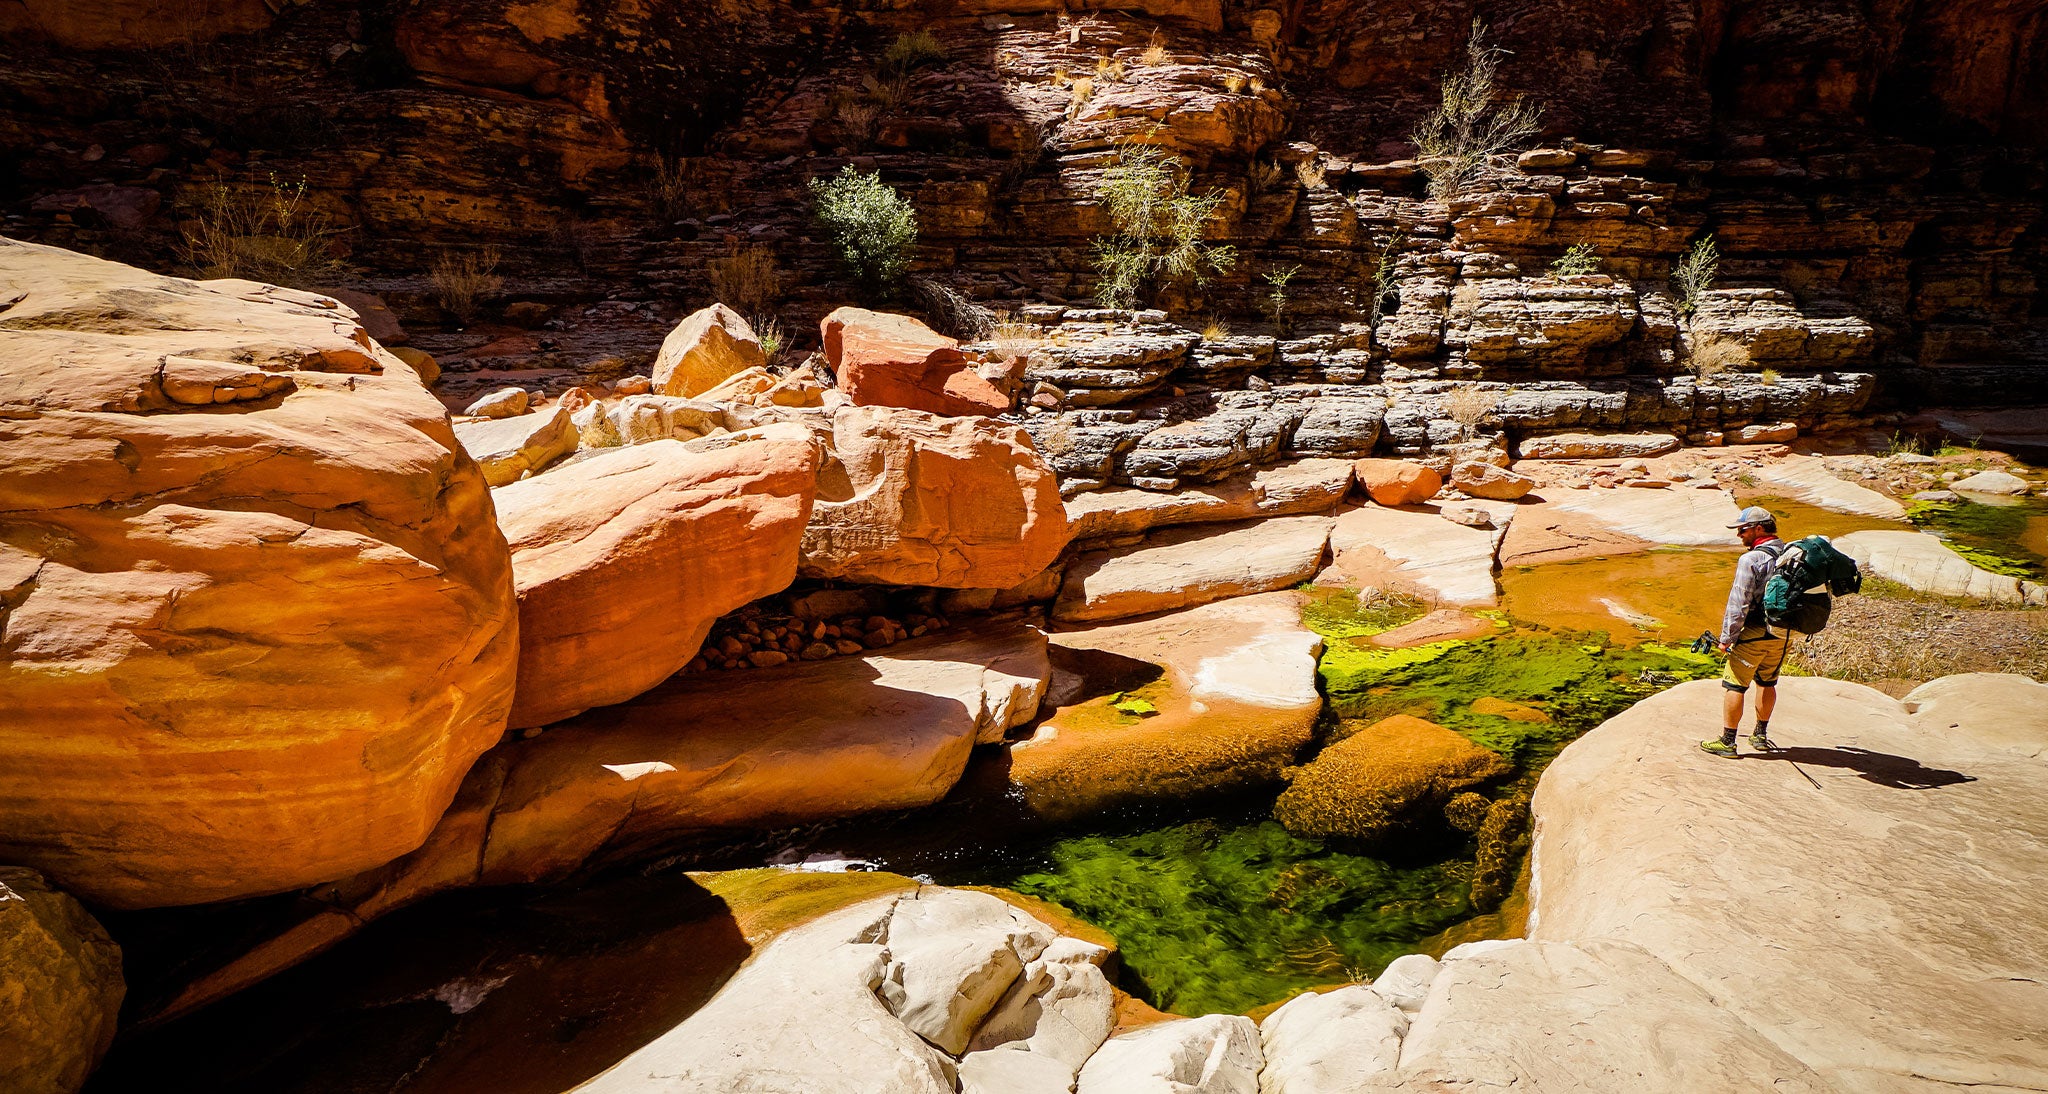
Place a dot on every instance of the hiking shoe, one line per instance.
(1718, 747)
(1761, 743)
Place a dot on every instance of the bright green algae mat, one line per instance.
(1229, 912)
(1993, 537)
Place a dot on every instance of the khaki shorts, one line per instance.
(1757, 655)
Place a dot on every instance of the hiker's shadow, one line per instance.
(1882, 768)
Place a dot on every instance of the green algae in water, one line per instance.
(1991, 537)
(1229, 914)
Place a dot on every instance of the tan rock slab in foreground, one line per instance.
(507, 448)
(624, 561)
(1920, 561)
(1191, 565)
(1597, 446)
(1882, 927)
(251, 644)
(2002, 709)
(1305, 486)
(60, 987)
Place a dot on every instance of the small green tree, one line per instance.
(1578, 259)
(1694, 274)
(1158, 226)
(874, 228)
(1276, 295)
(1469, 128)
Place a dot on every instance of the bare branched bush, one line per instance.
(1712, 357)
(462, 283)
(1310, 174)
(1036, 143)
(264, 233)
(1264, 175)
(1694, 274)
(669, 190)
(951, 311)
(856, 119)
(1014, 338)
(1469, 406)
(750, 281)
(1470, 128)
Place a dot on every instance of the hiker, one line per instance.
(1754, 650)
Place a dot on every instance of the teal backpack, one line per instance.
(1805, 578)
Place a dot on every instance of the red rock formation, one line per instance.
(623, 561)
(893, 360)
(258, 616)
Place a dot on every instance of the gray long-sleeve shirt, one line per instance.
(1751, 571)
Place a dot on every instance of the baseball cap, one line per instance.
(1755, 514)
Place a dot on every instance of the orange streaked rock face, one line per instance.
(893, 360)
(256, 616)
(624, 560)
(913, 499)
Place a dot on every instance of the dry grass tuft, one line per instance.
(1469, 405)
(462, 283)
(749, 281)
(263, 234)
(1712, 357)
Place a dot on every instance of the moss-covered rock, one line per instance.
(1366, 785)
(60, 987)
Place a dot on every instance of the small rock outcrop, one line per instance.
(1920, 561)
(60, 987)
(706, 349)
(507, 448)
(259, 613)
(1397, 482)
(623, 561)
(1189, 565)
(911, 498)
(882, 359)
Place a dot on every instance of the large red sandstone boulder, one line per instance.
(1397, 482)
(704, 350)
(624, 560)
(258, 615)
(907, 498)
(894, 360)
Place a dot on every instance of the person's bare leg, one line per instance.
(1731, 709)
(1766, 701)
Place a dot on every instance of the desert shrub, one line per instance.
(1234, 82)
(1694, 274)
(1155, 52)
(1469, 127)
(266, 233)
(1276, 295)
(768, 330)
(1109, 70)
(1264, 175)
(1712, 357)
(669, 190)
(1768, 377)
(1080, 91)
(1383, 278)
(1577, 260)
(1158, 226)
(749, 281)
(1014, 338)
(1468, 406)
(873, 228)
(1310, 174)
(462, 283)
(912, 51)
(951, 311)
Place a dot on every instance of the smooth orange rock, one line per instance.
(1397, 482)
(624, 560)
(250, 644)
(705, 350)
(882, 359)
(908, 498)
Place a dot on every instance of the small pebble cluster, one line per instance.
(745, 640)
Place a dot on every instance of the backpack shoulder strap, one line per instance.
(1773, 549)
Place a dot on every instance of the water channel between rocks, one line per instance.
(1214, 904)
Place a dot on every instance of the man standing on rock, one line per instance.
(1755, 652)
